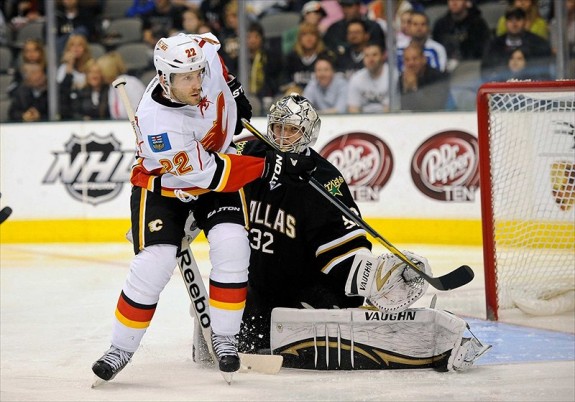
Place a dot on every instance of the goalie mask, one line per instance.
(293, 124)
(176, 55)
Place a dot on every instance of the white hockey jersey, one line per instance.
(186, 149)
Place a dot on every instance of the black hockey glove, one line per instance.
(243, 104)
(286, 167)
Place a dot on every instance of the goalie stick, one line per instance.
(4, 213)
(267, 364)
(454, 279)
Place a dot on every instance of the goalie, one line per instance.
(311, 270)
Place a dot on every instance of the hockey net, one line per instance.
(527, 167)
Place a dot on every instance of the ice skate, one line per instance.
(226, 350)
(110, 364)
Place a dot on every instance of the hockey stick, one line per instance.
(454, 279)
(267, 364)
(4, 213)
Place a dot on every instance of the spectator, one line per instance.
(191, 21)
(313, 13)
(72, 70)
(112, 66)
(229, 38)
(32, 52)
(402, 34)
(517, 65)
(327, 90)
(570, 38)
(422, 87)
(75, 18)
(213, 12)
(351, 59)
(300, 61)
(377, 12)
(534, 23)
(264, 68)
(90, 102)
(163, 20)
(139, 8)
(419, 31)
(368, 88)
(494, 66)
(22, 12)
(336, 34)
(462, 31)
(30, 99)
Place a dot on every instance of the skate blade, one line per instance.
(97, 382)
(482, 351)
(227, 377)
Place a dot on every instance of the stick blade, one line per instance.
(5, 213)
(453, 280)
(263, 364)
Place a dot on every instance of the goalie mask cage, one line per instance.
(527, 165)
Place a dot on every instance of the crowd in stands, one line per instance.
(336, 53)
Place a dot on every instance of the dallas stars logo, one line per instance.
(333, 186)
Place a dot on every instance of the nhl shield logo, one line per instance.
(93, 168)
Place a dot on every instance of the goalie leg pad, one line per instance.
(364, 339)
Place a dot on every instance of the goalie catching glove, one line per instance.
(386, 281)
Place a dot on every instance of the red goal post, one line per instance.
(526, 133)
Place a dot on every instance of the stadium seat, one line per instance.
(5, 59)
(147, 76)
(114, 9)
(96, 49)
(136, 56)
(122, 31)
(32, 30)
(464, 82)
(4, 106)
(275, 24)
(491, 12)
(5, 81)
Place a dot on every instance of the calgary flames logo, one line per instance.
(365, 162)
(445, 167)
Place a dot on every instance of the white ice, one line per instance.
(57, 305)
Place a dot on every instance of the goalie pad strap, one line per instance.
(364, 339)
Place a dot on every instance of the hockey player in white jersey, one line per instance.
(185, 122)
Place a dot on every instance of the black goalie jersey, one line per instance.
(302, 246)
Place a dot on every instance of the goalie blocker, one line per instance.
(366, 339)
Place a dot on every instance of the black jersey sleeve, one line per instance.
(334, 237)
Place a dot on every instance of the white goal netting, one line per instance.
(532, 182)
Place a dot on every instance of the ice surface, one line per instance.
(57, 304)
